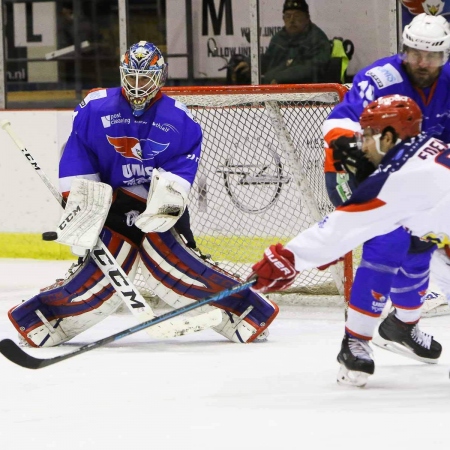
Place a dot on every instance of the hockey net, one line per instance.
(260, 179)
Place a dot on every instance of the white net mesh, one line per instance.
(246, 194)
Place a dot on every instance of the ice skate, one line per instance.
(407, 340)
(356, 362)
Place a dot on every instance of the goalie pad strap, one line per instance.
(85, 214)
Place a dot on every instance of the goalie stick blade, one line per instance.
(188, 325)
(15, 354)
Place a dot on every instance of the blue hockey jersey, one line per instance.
(384, 77)
(109, 144)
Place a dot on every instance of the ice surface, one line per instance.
(201, 392)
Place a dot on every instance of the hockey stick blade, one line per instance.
(15, 354)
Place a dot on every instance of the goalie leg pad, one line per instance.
(179, 276)
(439, 266)
(67, 308)
(237, 329)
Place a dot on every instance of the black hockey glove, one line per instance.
(364, 169)
(345, 150)
(350, 158)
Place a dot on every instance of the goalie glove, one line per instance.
(276, 271)
(166, 203)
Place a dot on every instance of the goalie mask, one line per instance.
(143, 73)
(430, 34)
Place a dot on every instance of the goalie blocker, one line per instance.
(67, 308)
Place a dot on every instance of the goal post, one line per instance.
(260, 178)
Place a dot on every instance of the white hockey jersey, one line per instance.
(410, 188)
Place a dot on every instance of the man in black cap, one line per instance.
(298, 53)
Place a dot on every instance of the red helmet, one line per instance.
(396, 111)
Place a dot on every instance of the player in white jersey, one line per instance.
(410, 188)
(126, 170)
(421, 72)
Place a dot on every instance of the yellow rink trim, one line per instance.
(31, 245)
(44, 95)
(236, 249)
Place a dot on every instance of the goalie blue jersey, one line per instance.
(385, 77)
(109, 144)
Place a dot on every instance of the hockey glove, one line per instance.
(364, 169)
(345, 150)
(276, 271)
(350, 158)
(166, 203)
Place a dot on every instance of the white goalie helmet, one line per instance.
(428, 33)
(143, 73)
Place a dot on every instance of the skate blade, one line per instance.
(351, 378)
(394, 347)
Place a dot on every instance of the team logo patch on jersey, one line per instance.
(165, 127)
(384, 76)
(113, 119)
(130, 147)
(377, 296)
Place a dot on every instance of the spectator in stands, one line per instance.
(298, 53)
(66, 27)
(66, 38)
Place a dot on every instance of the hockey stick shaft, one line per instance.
(109, 266)
(6, 125)
(15, 354)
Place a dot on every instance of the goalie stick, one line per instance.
(15, 354)
(115, 274)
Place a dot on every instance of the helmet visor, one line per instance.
(417, 57)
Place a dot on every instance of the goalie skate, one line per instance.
(356, 362)
(407, 340)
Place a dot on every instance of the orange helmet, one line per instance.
(396, 111)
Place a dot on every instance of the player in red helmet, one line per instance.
(395, 195)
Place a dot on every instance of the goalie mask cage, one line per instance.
(260, 179)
